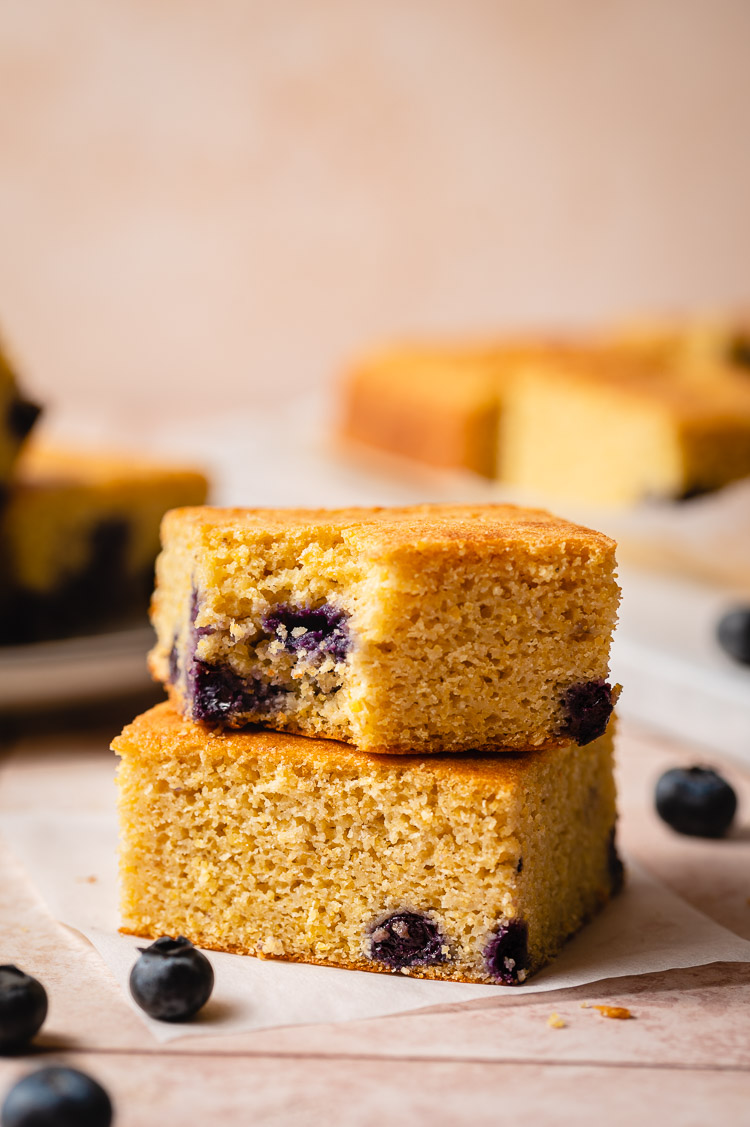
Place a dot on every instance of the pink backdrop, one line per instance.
(215, 202)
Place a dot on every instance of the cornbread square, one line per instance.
(17, 417)
(435, 405)
(429, 628)
(618, 432)
(475, 868)
(79, 537)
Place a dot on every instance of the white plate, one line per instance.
(74, 669)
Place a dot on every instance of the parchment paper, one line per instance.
(71, 858)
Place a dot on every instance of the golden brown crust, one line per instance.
(163, 733)
(416, 526)
(442, 972)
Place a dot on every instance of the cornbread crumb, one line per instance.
(556, 1022)
(619, 1013)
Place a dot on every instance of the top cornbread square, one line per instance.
(428, 628)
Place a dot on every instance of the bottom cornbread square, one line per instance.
(467, 867)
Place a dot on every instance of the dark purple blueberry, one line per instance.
(506, 955)
(614, 864)
(23, 1008)
(218, 693)
(171, 980)
(325, 629)
(406, 939)
(57, 1097)
(22, 414)
(733, 633)
(696, 801)
(589, 707)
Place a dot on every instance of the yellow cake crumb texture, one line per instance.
(271, 844)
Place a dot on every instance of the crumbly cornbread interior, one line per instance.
(459, 627)
(270, 844)
(622, 432)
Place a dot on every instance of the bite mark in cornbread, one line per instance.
(475, 868)
(423, 629)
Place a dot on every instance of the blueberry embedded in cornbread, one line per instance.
(17, 418)
(79, 536)
(422, 629)
(475, 868)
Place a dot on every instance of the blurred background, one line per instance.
(212, 205)
(206, 209)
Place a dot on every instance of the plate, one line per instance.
(74, 669)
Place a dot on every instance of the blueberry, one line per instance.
(23, 1008)
(171, 980)
(406, 939)
(733, 633)
(325, 629)
(696, 801)
(57, 1097)
(506, 956)
(219, 694)
(22, 414)
(589, 707)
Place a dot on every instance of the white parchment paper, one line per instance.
(71, 858)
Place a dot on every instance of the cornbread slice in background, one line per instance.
(621, 432)
(698, 344)
(459, 867)
(438, 404)
(17, 417)
(428, 628)
(79, 537)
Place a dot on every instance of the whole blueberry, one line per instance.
(733, 633)
(23, 1008)
(696, 801)
(57, 1097)
(171, 980)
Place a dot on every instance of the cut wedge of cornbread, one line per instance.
(79, 536)
(17, 417)
(438, 404)
(430, 628)
(618, 432)
(475, 868)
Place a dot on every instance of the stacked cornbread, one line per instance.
(638, 412)
(387, 744)
(79, 532)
